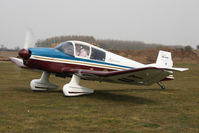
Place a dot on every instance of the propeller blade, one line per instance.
(28, 38)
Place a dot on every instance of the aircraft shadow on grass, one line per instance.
(108, 95)
(136, 90)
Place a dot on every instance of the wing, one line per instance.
(18, 62)
(140, 76)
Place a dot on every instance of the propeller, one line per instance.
(25, 53)
(28, 38)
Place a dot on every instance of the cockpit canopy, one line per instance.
(79, 49)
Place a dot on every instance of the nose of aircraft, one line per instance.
(24, 53)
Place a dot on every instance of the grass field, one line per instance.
(112, 108)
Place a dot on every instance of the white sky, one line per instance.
(168, 22)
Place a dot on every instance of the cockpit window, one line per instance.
(98, 54)
(82, 50)
(67, 48)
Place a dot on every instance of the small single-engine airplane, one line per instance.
(81, 60)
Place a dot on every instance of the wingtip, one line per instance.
(178, 69)
(18, 62)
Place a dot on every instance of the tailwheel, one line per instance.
(161, 85)
(74, 89)
(43, 83)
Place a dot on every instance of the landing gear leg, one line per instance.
(74, 89)
(161, 85)
(43, 83)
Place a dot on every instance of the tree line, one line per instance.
(106, 44)
(4, 48)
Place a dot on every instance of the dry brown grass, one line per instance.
(4, 55)
(150, 55)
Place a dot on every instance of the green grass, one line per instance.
(112, 108)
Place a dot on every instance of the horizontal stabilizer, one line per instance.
(177, 69)
(167, 68)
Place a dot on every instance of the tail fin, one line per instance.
(164, 59)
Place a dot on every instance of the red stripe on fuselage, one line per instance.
(56, 67)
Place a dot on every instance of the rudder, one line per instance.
(164, 59)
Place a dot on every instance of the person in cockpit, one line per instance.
(80, 51)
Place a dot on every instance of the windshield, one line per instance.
(66, 47)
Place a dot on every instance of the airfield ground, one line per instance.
(112, 108)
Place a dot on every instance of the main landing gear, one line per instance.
(74, 89)
(71, 89)
(161, 85)
(43, 83)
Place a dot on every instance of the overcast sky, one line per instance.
(168, 22)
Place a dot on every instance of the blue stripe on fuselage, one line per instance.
(55, 53)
